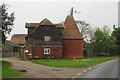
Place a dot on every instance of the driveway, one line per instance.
(40, 71)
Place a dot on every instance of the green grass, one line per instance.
(8, 72)
(70, 62)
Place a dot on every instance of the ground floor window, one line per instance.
(47, 51)
(16, 49)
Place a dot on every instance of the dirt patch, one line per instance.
(33, 70)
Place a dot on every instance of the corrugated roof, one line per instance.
(71, 30)
(18, 38)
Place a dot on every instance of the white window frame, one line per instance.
(46, 38)
(47, 51)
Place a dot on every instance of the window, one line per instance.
(47, 51)
(16, 49)
(47, 38)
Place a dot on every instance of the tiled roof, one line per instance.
(27, 25)
(43, 22)
(18, 38)
(59, 25)
(10, 43)
(71, 30)
(46, 22)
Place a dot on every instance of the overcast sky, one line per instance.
(97, 14)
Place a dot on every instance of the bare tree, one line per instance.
(85, 30)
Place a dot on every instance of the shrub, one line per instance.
(48, 57)
(80, 58)
(52, 57)
(43, 57)
(36, 57)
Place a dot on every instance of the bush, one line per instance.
(43, 57)
(52, 57)
(36, 57)
(48, 57)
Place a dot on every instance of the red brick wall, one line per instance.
(39, 51)
(73, 48)
(22, 52)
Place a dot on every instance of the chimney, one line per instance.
(71, 12)
(113, 26)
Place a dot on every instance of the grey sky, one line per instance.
(97, 14)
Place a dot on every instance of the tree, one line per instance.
(101, 41)
(85, 30)
(87, 34)
(6, 21)
(116, 35)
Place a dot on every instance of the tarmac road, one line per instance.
(106, 70)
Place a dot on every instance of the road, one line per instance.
(107, 70)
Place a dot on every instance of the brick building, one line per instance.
(48, 39)
(72, 39)
(10, 49)
(19, 39)
(44, 40)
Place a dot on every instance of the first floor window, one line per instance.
(47, 51)
(47, 38)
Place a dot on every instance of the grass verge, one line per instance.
(70, 62)
(8, 72)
